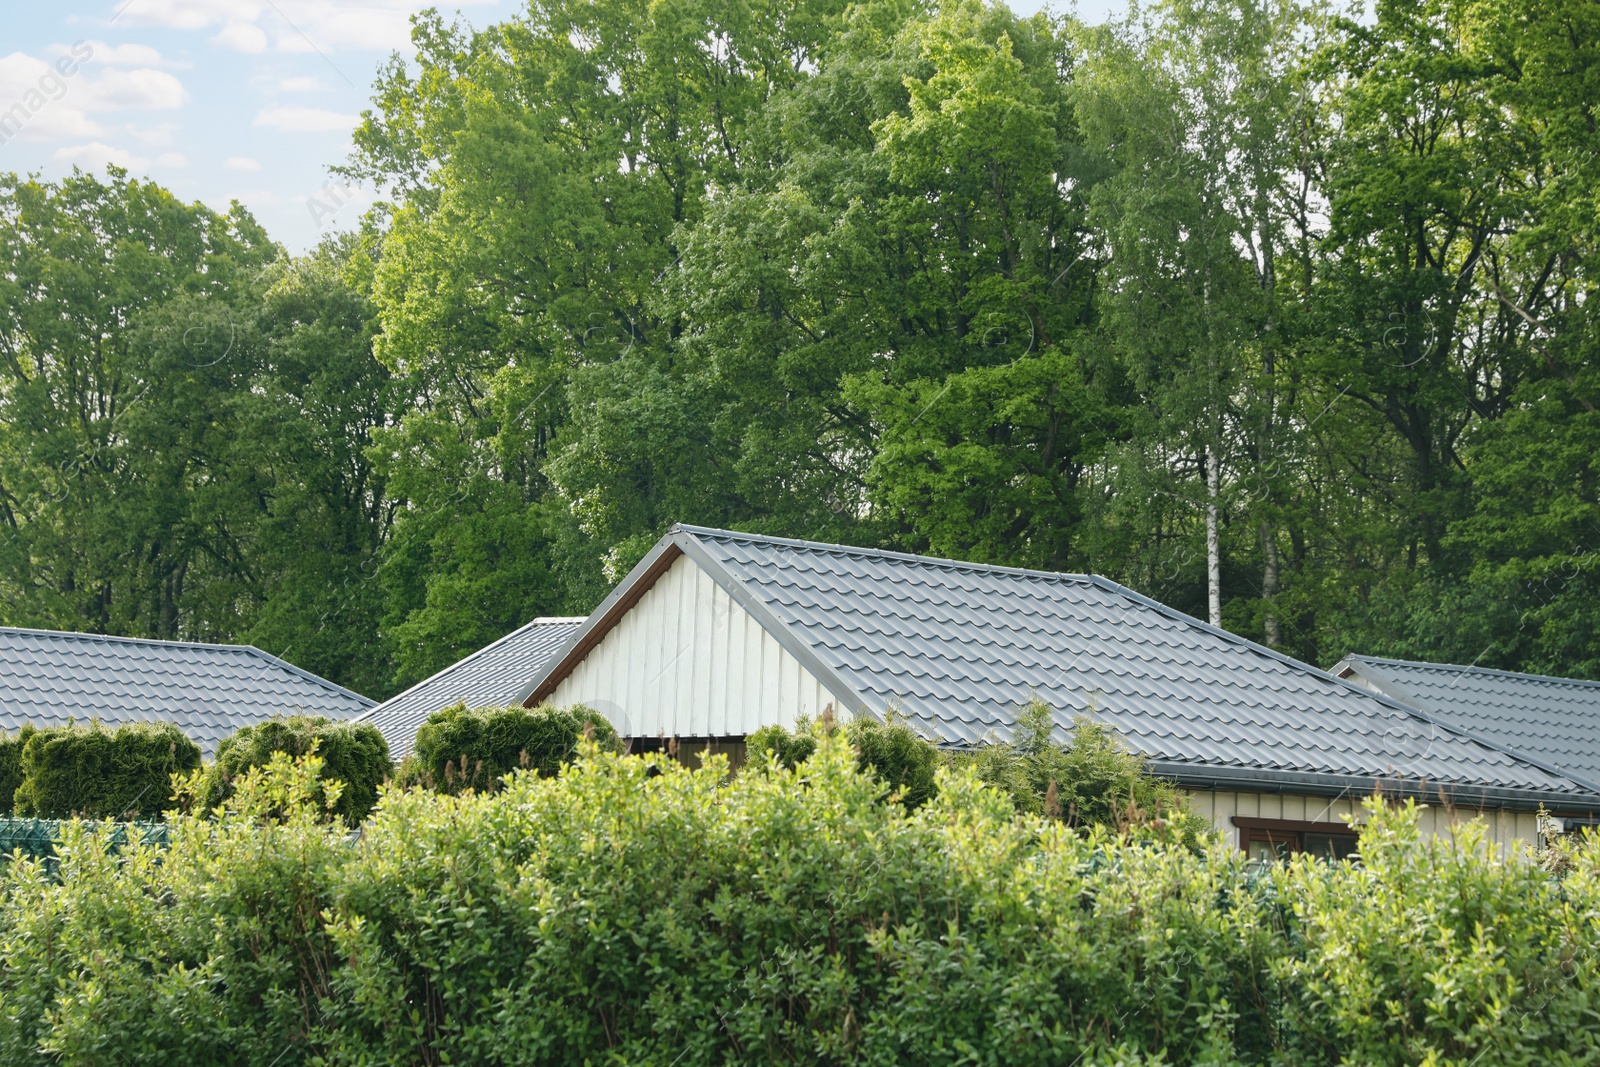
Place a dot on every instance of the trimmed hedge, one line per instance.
(461, 748)
(95, 773)
(353, 753)
(634, 911)
(11, 746)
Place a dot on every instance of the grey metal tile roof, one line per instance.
(496, 674)
(1554, 720)
(959, 647)
(48, 677)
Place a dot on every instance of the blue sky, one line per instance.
(217, 99)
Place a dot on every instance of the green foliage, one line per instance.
(95, 773)
(1093, 781)
(890, 751)
(459, 748)
(352, 753)
(11, 746)
(634, 911)
(928, 277)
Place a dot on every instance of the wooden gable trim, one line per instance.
(596, 631)
(1249, 822)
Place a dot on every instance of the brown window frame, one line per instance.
(1287, 832)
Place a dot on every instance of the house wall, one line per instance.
(688, 661)
(1505, 827)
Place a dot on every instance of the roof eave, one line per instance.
(1265, 780)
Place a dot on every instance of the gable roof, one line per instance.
(956, 648)
(498, 673)
(48, 677)
(1553, 720)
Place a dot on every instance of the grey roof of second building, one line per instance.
(958, 648)
(1554, 720)
(48, 677)
(496, 674)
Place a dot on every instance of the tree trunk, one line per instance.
(1269, 584)
(1213, 551)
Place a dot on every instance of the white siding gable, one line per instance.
(688, 661)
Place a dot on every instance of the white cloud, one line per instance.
(307, 84)
(242, 37)
(121, 55)
(241, 163)
(297, 25)
(306, 120)
(38, 104)
(95, 156)
(157, 136)
(142, 89)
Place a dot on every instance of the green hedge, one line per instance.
(353, 753)
(632, 911)
(461, 748)
(95, 773)
(11, 746)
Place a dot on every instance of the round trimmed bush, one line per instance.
(461, 748)
(96, 773)
(353, 753)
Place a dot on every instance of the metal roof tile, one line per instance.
(960, 646)
(48, 677)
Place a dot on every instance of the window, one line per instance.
(1278, 839)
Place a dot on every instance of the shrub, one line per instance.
(893, 752)
(11, 746)
(353, 753)
(459, 748)
(96, 773)
(792, 749)
(609, 914)
(1093, 781)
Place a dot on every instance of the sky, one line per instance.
(219, 100)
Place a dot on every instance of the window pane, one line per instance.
(1331, 846)
(1263, 850)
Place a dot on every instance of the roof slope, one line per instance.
(958, 647)
(48, 677)
(1555, 720)
(498, 673)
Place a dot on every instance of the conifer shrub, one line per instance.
(353, 753)
(11, 765)
(96, 773)
(461, 748)
(1094, 780)
(895, 754)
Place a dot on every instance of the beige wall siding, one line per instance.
(688, 661)
(1505, 827)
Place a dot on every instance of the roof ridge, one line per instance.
(1471, 668)
(164, 642)
(882, 553)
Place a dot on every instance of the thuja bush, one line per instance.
(352, 753)
(891, 751)
(89, 771)
(1094, 780)
(460, 748)
(624, 912)
(11, 765)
